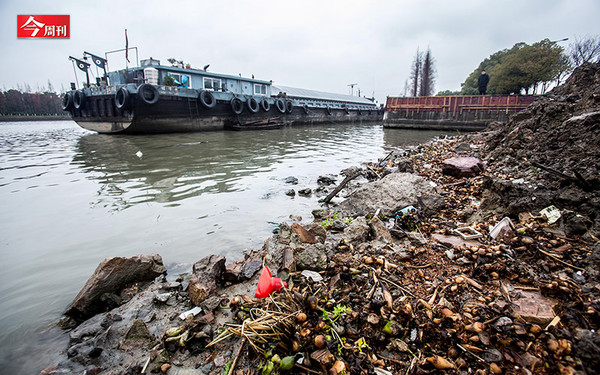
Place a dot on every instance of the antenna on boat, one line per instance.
(83, 66)
(352, 88)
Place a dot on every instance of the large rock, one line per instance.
(207, 273)
(462, 167)
(357, 232)
(303, 235)
(379, 230)
(110, 278)
(311, 257)
(393, 192)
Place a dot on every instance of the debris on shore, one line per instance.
(474, 254)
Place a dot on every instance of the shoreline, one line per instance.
(22, 118)
(422, 267)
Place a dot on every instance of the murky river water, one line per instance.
(70, 198)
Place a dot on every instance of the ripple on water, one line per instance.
(70, 198)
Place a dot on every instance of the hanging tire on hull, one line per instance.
(148, 93)
(280, 104)
(67, 101)
(347, 110)
(122, 98)
(305, 108)
(207, 99)
(328, 110)
(252, 104)
(266, 106)
(237, 106)
(79, 99)
(289, 106)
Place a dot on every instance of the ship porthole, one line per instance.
(67, 101)
(266, 106)
(280, 105)
(289, 106)
(122, 98)
(148, 93)
(237, 106)
(252, 105)
(207, 99)
(328, 109)
(79, 99)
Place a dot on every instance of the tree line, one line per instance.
(521, 69)
(15, 102)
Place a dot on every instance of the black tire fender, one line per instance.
(207, 99)
(67, 101)
(289, 106)
(148, 93)
(346, 109)
(280, 104)
(79, 99)
(328, 110)
(266, 106)
(252, 104)
(237, 106)
(122, 98)
(305, 108)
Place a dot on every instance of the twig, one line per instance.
(340, 187)
(146, 364)
(307, 369)
(416, 267)
(471, 353)
(472, 282)
(398, 286)
(374, 171)
(432, 299)
(239, 351)
(560, 261)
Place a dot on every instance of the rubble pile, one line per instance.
(553, 146)
(459, 255)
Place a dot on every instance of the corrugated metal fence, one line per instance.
(456, 105)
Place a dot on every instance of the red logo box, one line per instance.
(43, 26)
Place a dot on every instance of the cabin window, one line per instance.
(181, 80)
(212, 83)
(260, 89)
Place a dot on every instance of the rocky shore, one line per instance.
(471, 254)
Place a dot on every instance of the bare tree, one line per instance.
(427, 75)
(585, 50)
(415, 73)
(405, 91)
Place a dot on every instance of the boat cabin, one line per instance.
(153, 73)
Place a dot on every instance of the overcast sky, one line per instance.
(322, 45)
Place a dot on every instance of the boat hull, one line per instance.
(173, 113)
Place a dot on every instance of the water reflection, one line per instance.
(71, 198)
(170, 168)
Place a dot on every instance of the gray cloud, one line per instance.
(323, 45)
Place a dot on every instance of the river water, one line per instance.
(70, 198)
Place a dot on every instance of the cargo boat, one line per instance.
(155, 98)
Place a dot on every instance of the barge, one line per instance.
(155, 98)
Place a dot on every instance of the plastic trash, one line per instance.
(552, 214)
(315, 276)
(504, 228)
(195, 311)
(268, 284)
